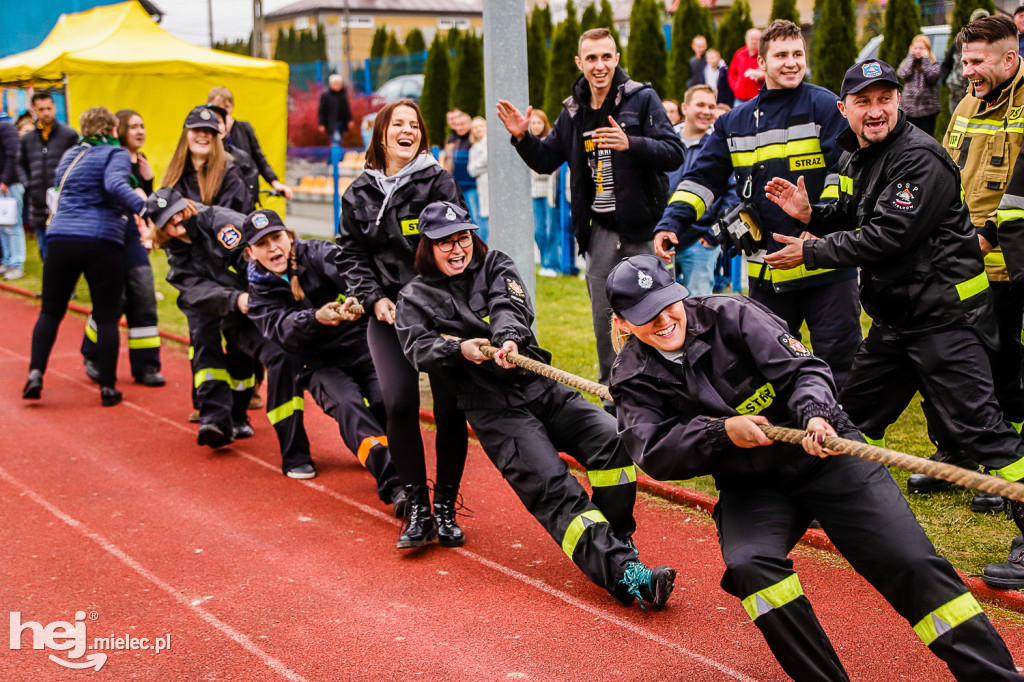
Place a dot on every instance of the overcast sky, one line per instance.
(187, 19)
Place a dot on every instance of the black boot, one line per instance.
(448, 531)
(419, 522)
(924, 484)
(34, 386)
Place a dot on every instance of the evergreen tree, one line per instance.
(468, 79)
(542, 13)
(292, 46)
(306, 49)
(835, 46)
(239, 46)
(647, 52)
(962, 10)
(605, 19)
(281, 46)
(536, 58)
(733, 29)
(785, 9)
(562, 70)
(380, 42)
(902, 23)
(414, 42)
(874, 23)
(321, 43)
(436, 88)
(454, 40)
(689, 20)
(392, 65)
(588, 19)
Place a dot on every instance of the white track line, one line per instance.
(381, 516)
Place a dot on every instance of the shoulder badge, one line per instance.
(793, 346)
(229, 236)
(907, 196)
(515, 290)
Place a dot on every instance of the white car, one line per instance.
(939, 35)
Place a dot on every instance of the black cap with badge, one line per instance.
(640, 287)
(443, 218)
(869, 72)
(163, 204)
(203, 116)
(261, 223)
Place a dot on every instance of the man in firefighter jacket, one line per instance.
(788, 130)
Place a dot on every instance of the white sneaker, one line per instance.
(547, 272)
(13, 273)
(4, 269)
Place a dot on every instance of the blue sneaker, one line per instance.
(652, 585)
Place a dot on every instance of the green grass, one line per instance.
(967, 539)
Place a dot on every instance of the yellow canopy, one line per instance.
(116, 56)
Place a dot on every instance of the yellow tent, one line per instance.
(116, 56)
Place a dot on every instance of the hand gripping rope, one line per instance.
(918, 465)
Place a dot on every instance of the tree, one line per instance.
(380, 42)
(902, 23)
(454, 39)
(414, 42)
(562, 71)
(542, 13)
(588, 19)
(468, 81)
(732, 31)
(606, 19)
(321, 43)
(785, 9)
(390, 64)
(647, 52)
(689, 20)
(306, 49)
(436, 89)
(239, 46)
(874, 22)
(962, 10)
(835, 45)
(536, 58)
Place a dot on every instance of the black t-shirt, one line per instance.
(599, 160)
(145, 185)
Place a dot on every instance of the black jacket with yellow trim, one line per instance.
(784, 133)
(901, 218)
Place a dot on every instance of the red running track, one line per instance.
(116, 513)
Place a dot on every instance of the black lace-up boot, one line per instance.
(445, 501)
(419, 522)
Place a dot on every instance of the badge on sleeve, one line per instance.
(793, 346)
(515, 291)
(230, 237)
(908, 196)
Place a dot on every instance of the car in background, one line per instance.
(409, 86)
(939, 35)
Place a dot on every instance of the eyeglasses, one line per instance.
(464, 241)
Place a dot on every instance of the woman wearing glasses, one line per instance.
(377, 239)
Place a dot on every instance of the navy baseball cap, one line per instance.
(443, 218)
(203, 116)
(261, 223)
(640, 287)
(868, 72)
(163, 204)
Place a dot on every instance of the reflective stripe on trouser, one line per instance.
(864, 512)
(283, 387)
(946, 617)
(222, 373)
(773, 597)
(602, 478)
(523, 443)
(350, 396)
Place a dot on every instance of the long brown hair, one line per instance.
(424, 262)
(159, 235)
(210, 175)
(376, 158)
(123, 116)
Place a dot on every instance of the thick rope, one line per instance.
(918, 465)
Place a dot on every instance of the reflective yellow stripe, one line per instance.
(368, 444)
(877, 442)
(761, 399)
(846, 184)
(90, 332)
(776, 151)
(774, 275)
(605, 478)
(208, 374)
(690, 198)
(282, 412)
(779, 594)
(1017, 426)
(146, 342)
(975, 285)
(191, 352)
(830, 192)
(1011, 472)
(242, 384)
(1005, 214)
(576, 529)
(995, 259)
(947, 617)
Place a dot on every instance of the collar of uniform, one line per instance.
(848, 141)
(764, 95)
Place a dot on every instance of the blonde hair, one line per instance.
(619, 335)
(920, 37)
(158, 235)
(472, 137)
(539, 113)
(221, 93)
(210, 176)
(97, 121)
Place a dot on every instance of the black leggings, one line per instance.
(399, 386)
(102, 263)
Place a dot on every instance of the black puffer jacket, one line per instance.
(37, 166)
(376, 258)
(10, 149)
(292, 324)
(901, 219)
(210, 271)
(486, 301)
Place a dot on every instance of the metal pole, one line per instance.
(511, 208)
(346, 43)
(256, 46)
(209, 19)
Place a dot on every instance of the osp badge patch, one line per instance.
(229, 236)
(793, 346)
(907, 196)
(515, 290)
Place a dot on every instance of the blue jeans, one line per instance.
(473, 206)
(545, 231)
(696, 268)
(12, 237)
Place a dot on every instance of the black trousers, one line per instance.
(951, 370)
(350, 394)
(523, 443)
(832, 313)
(861, 509)
(222, 371)
(400, 390)
(139, 306)
(102, 263)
